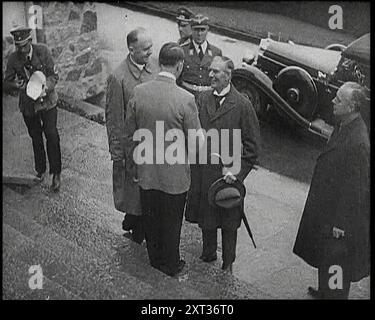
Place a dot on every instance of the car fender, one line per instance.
(264, 84)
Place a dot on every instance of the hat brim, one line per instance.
(23, 42)
(220, 184)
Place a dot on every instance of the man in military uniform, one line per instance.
(136, 68)
(39, 112)
(198, 57)
(183, 18)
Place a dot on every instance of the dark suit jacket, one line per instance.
(339, 196)
(236, 112)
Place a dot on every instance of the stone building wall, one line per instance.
(70, 32)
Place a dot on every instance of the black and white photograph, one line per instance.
(203, 152)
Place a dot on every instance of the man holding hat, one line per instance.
(198, 57)
(31, 71)
(183, 18)
(214, 203)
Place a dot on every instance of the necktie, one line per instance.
(201, 54)
(218, 99)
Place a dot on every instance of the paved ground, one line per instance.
(75, 235)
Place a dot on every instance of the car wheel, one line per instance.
(298, 89)
(251, 93)
(336, 47)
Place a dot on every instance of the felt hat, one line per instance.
(225, 195)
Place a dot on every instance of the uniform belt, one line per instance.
(194, 87)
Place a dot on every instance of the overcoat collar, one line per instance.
(134, 69)
(340, 134)
(228, 104)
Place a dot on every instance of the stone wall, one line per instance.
(70, 31)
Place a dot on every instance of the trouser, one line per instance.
(229, 241)
(162, 219)
(135, 224)
(45, 121)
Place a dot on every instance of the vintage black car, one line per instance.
(301, 81)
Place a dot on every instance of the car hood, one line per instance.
(316, 58)
(359, 50)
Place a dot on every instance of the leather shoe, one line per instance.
(227, 268)
(56, 182)
(316, 294)
(40, 176)
(208, 258)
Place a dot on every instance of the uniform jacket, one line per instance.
(162, 100)
(236, 112)
(120, 86)
(196, 71)
(339, 196)
(19, 67)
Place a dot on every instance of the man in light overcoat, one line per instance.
(135, 69)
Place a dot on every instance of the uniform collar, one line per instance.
(204, 46)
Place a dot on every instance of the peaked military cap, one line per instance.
(184, 15)
(199, 21)
(21, 35)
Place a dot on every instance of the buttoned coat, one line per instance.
(339, 196)
(236, 112)
(120, 86)
(19, 67)
(196, 71)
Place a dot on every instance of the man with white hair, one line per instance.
(334, 232)
(135, 69)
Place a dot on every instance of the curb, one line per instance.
(81, 108)
(171, 15)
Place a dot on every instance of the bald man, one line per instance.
(333, 235)
(135, 69)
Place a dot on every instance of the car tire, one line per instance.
(298, 89)
(251, 93)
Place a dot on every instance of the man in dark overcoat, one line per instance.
(222, 108)
(333, 235)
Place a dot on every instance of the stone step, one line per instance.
(91, 273)
(93, 267)
(16, 274)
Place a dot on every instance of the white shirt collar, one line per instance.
(139, 66)
(167, 74)
(223, 92)
(30, 55)
(204, 46)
